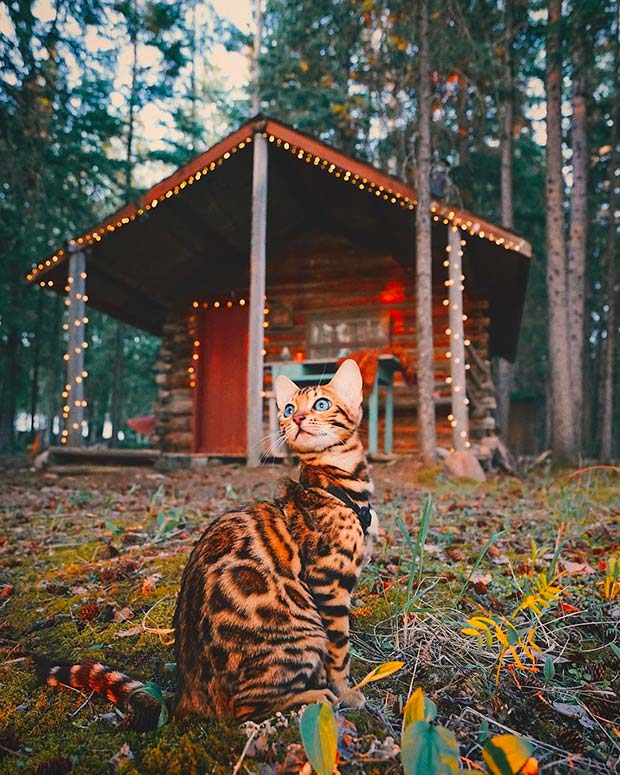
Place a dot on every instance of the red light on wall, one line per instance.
(397, 317)
(299, 356)
(393, 293)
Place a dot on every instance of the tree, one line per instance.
(424, 282)
(504, 367)
(576, 265)
(561, 407)
(610, 387)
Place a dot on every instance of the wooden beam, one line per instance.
(257, 302)
(76, 342)
(460, 414)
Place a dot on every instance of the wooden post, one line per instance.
(460, 419)
(373, 418)
(257, 302)
(76, 342)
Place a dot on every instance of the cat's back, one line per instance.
(256, 533)
(246, 623)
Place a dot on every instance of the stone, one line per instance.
(463, 464)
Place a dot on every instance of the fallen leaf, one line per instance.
(130, 632)
(123, 614)
(124, 754)
(480, 581)
(149, 584)
(575, 712)
(577, 568)
(570, 609)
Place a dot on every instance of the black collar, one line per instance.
(364, 513)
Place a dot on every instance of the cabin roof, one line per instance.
(189, 235)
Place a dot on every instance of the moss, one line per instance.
(43, 726)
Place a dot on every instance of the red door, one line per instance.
(221, 394)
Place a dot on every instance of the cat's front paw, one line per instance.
(353, 699)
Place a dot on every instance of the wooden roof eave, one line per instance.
(401, 191)
(395, 189)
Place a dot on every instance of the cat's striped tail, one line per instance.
(140, 708)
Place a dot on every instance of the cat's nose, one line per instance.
(298, 418)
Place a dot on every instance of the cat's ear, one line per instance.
(285, 390)
(347, 383)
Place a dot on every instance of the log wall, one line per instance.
(174, 404)
(328, 276)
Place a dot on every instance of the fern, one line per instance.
(542, 594)
(501, 631)
(611, 585)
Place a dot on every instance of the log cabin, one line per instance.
(271, 253)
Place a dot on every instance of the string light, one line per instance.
(77, 349)
(194, 333)
(456, 348)
(389, 194)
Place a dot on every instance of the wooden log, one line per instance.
(76, 281)
(457, 337)
(179, 441)
(257, 301)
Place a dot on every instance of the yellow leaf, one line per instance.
(418, 708)
(506, 754)
(387, 668)
(319, 735)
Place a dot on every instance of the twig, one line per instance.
(580, 471)
(13, 661)
(82, 706)
(157, 630)
(10, 750)
(246, 748)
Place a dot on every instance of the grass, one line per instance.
(90, 566)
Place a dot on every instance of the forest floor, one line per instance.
(90, 566)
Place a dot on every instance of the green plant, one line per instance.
(319, 736)
(429, 749)
(417, 551)
(426, 749)
(318, 727)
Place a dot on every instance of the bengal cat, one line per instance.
(262, 617)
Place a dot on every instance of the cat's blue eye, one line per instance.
(288, 410)
(321, 404)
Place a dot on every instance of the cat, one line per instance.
(262, 616)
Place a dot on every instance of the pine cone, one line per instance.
(571, 740)
(605, 705)
(89, 612)
(597, 671)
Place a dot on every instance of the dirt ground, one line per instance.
(90, 566)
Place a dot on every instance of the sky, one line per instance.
(231, 69)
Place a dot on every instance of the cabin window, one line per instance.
(332, 334)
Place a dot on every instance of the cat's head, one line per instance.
(316, 418)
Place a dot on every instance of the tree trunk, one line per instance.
(133, 35)
(36, 352)
(116, 402)
(503, 368)
(57, 378)
(560, 405)
(8, 391)
(578, 226)
(258, 32)
(609, 398)
(424, 286)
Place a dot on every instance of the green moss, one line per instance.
(53, 584)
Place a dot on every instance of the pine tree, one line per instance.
(561, 407)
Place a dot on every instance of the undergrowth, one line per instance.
(500, 600)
